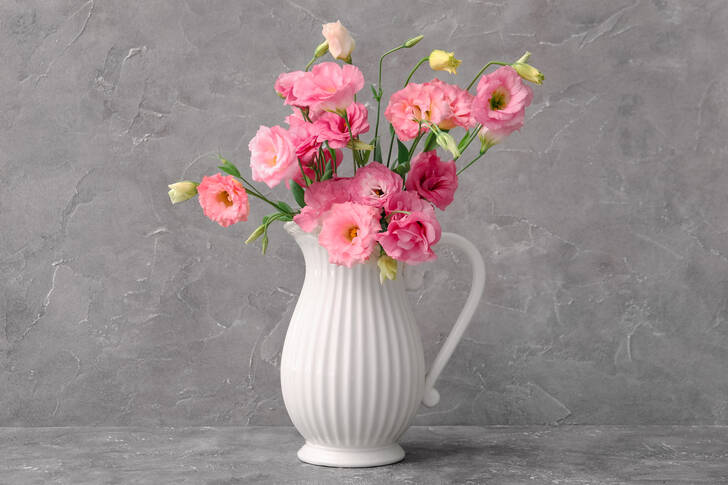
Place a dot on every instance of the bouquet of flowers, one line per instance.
(385, 208)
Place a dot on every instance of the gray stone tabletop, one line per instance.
(448, 454)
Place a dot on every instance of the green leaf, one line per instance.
(332, 153)
(402, 152)
(402, 169)
(377, 94)
(229, 168)
(377, 151)
(297, 192)
(328, 173)
(285, 208)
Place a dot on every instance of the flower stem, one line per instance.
(391, 144)
(468, 139)
(472, 161)
(310, 63)
(379, 88)
(483, 70)
(303, 174)
(417, 66)
(354, 152)
(414, 143)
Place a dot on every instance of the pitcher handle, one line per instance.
(431, 396)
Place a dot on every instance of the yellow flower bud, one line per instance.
(181, 191)
(444, 61)
(527, 71)
(387, 268)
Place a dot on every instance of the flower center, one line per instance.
(499, 99)
(273, 161)
(224, 198)
(377, 191)
(352, 233)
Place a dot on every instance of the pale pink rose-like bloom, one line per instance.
(501, 100)
(349, 232)
(328, 86)
(409, 237)
(223, 199)
(272, 156)
(374, 184)
(414, 103)
(341, 43)
(460, 102)
(284, 86)
(332, 126)
(433, 179)
(319, 198)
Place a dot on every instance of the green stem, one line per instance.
(354, 152)
(468, 139)
(414, 143)
(265, 199)
(391, 144)
(412, 72)
(303, 174)
(483, 70)
(379, 87)
(430, 142)
(472, 161)
(310, 63)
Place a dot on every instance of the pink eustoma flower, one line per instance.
(223, 199)
(332, 127)
(410, 236)
(272, 156)
(405, 201)
(433, 179)
(328, 86)
(284, 86)
(460, 102)
(501, 100)
(349, 233)
(414, 104)
(374, 184)
(319, 198)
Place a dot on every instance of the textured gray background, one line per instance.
(604, 223)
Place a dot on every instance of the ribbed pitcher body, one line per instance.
(352, 368)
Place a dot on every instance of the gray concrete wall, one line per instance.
(604, 223)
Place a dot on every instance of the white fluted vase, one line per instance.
(353, 368)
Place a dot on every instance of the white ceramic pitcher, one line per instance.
(353, 368)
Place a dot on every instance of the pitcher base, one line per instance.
(350, 457)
